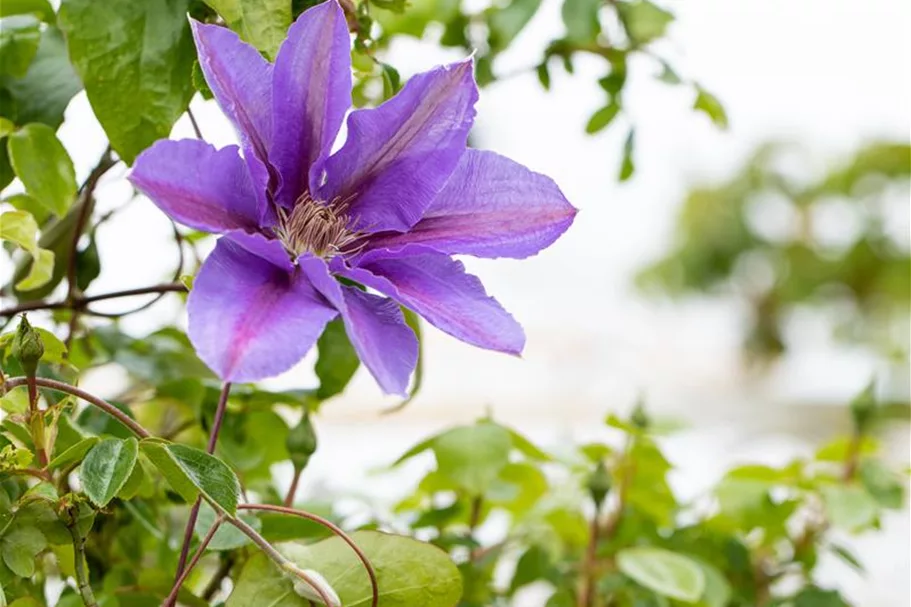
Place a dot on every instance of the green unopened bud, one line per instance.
(28, 347)
(301, 442)
(599, 484)
(640, 418)
(863, 408)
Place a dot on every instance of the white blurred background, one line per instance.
(832, 74)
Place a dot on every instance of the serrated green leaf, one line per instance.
(136, 60)
(191, 471)
(44, 166)
(667, 573)
(409, 574)
(19, 547)
(337, 361)
(107, 467)
(74, 454)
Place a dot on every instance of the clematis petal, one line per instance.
(311, 92)
(490, 207)
(437, 287)
(197, 185)
(399, 155)
(241, 81)
(375, 325)
(250, 319)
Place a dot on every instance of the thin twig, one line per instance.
(172, 597)
(368, 566)
(105, 406)
(82, 301)
(194, 123)
(194, 512)
(174, 280)
(36, 422)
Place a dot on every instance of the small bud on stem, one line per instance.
(599, 485)
(28, 348)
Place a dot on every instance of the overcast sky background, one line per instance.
(831, 74)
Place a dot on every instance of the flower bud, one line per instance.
(640, 418)
(28, 347)
(599, 484)
(301, 442)
(307, 591)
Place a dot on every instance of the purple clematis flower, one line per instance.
(387, 210)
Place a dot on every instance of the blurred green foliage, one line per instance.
(781, 239)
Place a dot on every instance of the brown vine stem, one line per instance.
(194, 512)
(82, 301)
(292, 490)
(368, 566)
(172, 597)
(59, 386)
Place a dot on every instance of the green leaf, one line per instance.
(664, 572)
(191, 471)
(39, 273)
(581, 19)
(717, 591)
(74, 454)
(44, 167)
(505, 23)
(262, 23)
(47, 87)
(337, 361)
(627, 168)
(19, 547)
(107, 467)
(643, 20)
(527, 448)
(850, 506)
(136, 60)
(882, 483)
(228, 537)
(817, 597)
(603, 117)
(472, 456)
(847, 556)
(19, 39)
(409, 573)
(20, 227)
(40, 8)
(711, 107)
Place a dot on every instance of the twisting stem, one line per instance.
(82, 578)
(172, 597)
(105, 406)
(194, 512)
(276, 557)
(195, 124)
(368, 566)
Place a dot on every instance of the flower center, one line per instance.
(317, 228)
